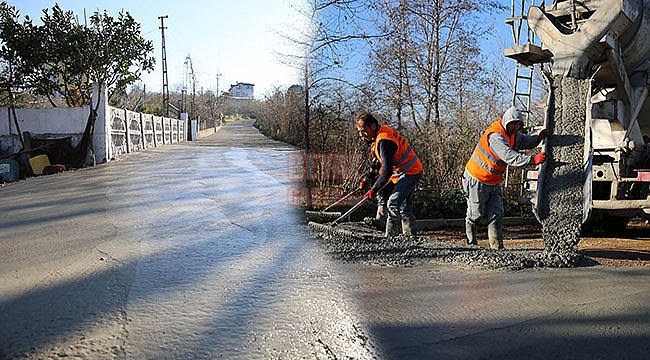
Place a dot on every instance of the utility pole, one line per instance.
(189, 77)
(218, 76)
(184, 88)
(164, 66)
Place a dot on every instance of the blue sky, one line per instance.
(237, 39)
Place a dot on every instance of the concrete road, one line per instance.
(193, 251)
(182, 252)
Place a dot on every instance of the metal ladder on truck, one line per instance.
(526, 52)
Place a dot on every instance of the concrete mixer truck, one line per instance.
(596, 59)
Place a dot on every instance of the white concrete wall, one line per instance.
(117, 131)
(51, 123)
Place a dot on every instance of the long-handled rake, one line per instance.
(355, 207)
(324, 215)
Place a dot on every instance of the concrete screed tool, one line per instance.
(323, 215)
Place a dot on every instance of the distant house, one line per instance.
(242, 90)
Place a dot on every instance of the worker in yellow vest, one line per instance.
(498, 148)
(399, 164)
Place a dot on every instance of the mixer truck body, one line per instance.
(607, 44)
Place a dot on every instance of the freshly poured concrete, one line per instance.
(563, 175)
(195, 251)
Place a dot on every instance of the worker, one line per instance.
(400, 165)
(498, 147)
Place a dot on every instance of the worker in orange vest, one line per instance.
(498, 148)
(399, 164)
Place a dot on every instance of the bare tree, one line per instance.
(431, 55)
(280, 114)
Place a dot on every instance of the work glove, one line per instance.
(371, 194)
(542, 135)
(539, 158)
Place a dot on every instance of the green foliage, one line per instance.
(451, 204)
(116, 53)
(16, 40)
(435, 204)
(62, 58)
(512, 207)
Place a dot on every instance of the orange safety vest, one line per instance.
(484, 164)
(404, 161)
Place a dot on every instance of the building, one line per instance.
(242, 90)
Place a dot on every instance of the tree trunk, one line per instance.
(13, 113)
(87, 138)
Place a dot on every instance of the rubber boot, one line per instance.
(380, 217)
(408, 225)
(392, 228)
(470, 231)
(495, 234)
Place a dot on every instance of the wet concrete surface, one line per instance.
(193, 251)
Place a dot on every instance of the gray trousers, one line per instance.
(484, 201)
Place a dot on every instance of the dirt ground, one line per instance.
(629, 248)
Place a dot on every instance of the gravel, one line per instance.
(359, 242)
(562, 176)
